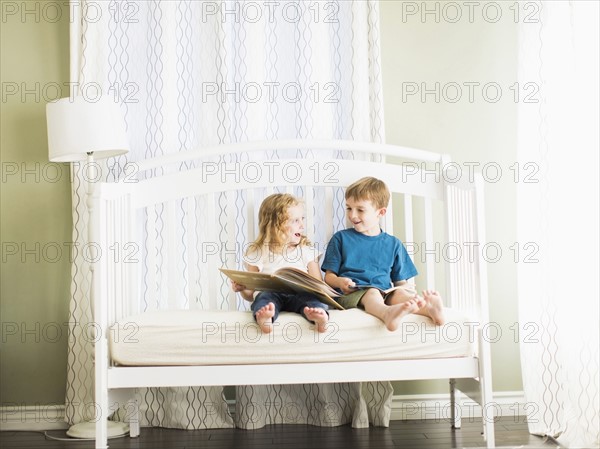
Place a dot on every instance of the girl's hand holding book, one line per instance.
(237, 287)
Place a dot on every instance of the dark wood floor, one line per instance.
(428, 434)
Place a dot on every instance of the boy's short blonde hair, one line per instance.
(371, 189)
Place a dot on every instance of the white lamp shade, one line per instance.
(77, 126)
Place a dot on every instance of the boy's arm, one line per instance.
(331, 262)
(346, 285)
(246, 293)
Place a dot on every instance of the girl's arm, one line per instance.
(246, 293)
(314, 270)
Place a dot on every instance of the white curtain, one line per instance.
(192, 74)
(558, 220)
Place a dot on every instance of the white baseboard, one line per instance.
(437, 406)
(404, 407)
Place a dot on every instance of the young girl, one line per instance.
(280, 244)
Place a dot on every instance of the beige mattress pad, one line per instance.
(201, 337)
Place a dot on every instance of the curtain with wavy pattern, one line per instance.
(198, 73)
(558, 212)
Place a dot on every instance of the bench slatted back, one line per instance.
(172, 232)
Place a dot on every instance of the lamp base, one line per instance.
(87, 430)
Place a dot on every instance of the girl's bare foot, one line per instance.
(264, 318)
(318, 315)
(394, 314)
(434, 307)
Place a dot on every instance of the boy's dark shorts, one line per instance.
(352, 300)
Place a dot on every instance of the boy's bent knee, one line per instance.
(373, 293)
(370, 296)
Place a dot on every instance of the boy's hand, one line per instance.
(346, 285)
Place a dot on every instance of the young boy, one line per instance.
(364, 256)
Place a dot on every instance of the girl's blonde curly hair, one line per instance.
(272, 218)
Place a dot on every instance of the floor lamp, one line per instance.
(80, 130)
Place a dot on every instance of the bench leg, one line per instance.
(102, 432)
(455, 408)
(485, 383)
(134, 420)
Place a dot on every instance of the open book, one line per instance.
(285, 280)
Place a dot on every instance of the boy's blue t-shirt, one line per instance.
(368, 260)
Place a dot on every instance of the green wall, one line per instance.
(35, 209)
(35, 194)
(427, 56)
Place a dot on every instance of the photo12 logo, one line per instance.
(470, 12)
(452, 172)
(468, 91)
(253, 172)
(52, 172)
(92, 92)
(85, 11)
(271, 11)
(55, 252)
(270, 91)
(491, 252)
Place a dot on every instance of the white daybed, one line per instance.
(436, 210)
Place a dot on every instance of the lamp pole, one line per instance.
(77, 131)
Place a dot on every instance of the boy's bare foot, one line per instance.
(394, 314)
(264, 318)
(434, 307)
(318, 315)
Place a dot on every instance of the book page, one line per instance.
(257, 281)
(301, 278)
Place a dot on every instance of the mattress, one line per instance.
(200, 337)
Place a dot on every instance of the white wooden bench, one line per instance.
(215, 187)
